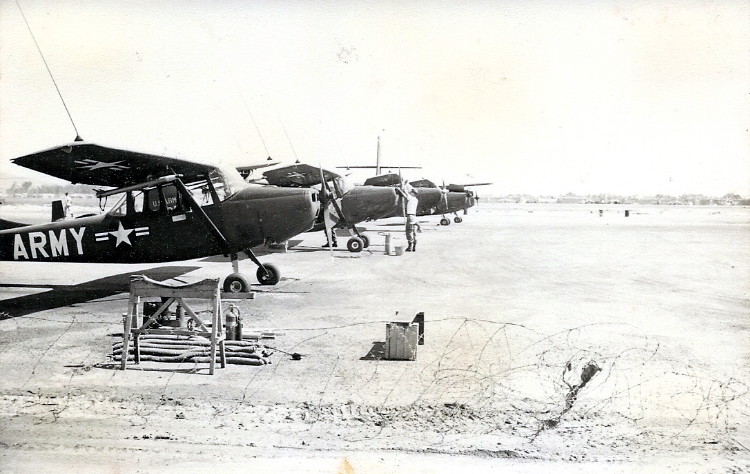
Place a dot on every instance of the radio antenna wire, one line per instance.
(78, 136)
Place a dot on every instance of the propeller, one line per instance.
(331, 197)
(403, 191)
(444, 196)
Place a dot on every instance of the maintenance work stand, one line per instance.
(144, 287)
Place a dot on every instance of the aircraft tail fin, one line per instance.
(10, 224)
(57, 210)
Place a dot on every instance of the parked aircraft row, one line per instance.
(173, 209)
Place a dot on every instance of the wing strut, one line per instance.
(217, 233)
(199, 210)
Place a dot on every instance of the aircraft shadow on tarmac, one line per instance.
(259, 252)
(59, 296)
(291, 245)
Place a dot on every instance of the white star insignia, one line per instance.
(122, 235)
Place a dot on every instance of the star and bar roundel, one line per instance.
(121, 234)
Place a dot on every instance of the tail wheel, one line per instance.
(236, 283)
(355, 244)
(445, 221)
(268, 274)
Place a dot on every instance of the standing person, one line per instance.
(333, 238)
(68, 206)
(410, 194)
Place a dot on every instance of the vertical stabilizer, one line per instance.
(58, 212)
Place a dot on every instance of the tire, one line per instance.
(457, 220)
(355, 244)
(236, 283)
(271, 278)
(444, 221)
(365, 241)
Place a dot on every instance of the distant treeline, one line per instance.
(658, 199)
(28, 188)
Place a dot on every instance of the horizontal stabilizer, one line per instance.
(4, 225)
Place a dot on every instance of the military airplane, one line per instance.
(351, 204)
(455, 197)
(432, 199)
(170, 209)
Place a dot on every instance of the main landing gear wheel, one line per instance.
(355, 244)
(457, 220)
(236, 283)
(365, 241)
(445, 221)
(268, 274)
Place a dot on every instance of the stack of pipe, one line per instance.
(166, 348)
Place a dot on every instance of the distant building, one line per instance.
(571, 199)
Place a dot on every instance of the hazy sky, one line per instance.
(540, 97)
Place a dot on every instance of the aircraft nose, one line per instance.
(369, 202)
(271, 214)
(291, 215)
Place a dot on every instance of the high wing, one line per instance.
(459, 188)
(297, 176)
(87, 163)
(390, 179)
(423, 183)
(381, 166)
(247, 171)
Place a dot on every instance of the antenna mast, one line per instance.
(78, 136)
(377, 159)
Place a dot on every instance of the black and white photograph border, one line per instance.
(569, 294)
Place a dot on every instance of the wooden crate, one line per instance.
(401, 341)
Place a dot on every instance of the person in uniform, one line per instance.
(68, 206)
(410, 194)
(332, 239)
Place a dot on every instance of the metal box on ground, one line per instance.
(401, 341)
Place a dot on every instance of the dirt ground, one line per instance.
(520, 301)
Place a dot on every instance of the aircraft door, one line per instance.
(165, 226)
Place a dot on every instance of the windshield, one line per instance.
(342, 185)
(226, 181)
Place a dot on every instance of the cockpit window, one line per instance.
(138, 198)
(120, 208)
(152, 198)
(170, 196)
(342, 185)
(226, 181)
